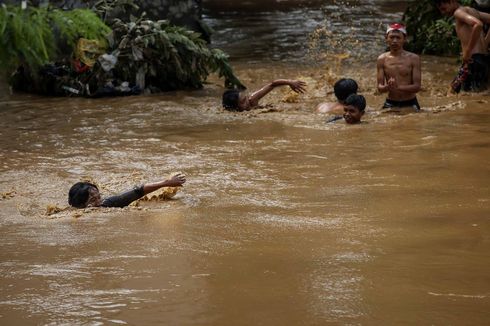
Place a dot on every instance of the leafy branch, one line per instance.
(26, 36)
(430, 32)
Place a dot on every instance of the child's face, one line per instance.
(395, 40)
(243, 102)
(94, 199)
(352, 114)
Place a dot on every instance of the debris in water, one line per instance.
(8, 194)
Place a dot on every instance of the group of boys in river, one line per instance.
(398, 74)
(398, 71)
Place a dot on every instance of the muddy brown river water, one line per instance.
(284, 220)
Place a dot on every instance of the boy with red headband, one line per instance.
(399, 71)
(475, 70)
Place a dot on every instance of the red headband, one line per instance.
(397, 27)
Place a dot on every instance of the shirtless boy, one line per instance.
(342, 89)
(353, 109)
(234, 100)
(475, 70)
(399, 71)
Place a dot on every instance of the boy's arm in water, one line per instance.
(476, 31)
(296, 85)
(383, 87)
(127, 197)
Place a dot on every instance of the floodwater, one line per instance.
(284, 220)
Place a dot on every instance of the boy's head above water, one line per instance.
(84, 194)
(234, 100)
(354, 107)
(230, 99)
(343, 88)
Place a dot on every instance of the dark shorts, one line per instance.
(478, 73)
(391, 104)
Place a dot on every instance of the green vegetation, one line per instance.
(28, 36)
(154, 55)
(169, 57)
(430, 32)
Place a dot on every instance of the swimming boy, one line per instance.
(475, 69)
(353, 107)
(342, 89)
(234, 100)
(398, 70)
(85, 194)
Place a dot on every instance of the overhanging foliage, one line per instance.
(170, 57)
(28, 36)
(157, 55)
(431, 33)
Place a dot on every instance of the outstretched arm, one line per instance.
(476, 29)
(296, 85)
(129, 196)
(176, 181)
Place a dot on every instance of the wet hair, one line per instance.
(230, 99)
(344, 87)
(79, 193)
(357, 101)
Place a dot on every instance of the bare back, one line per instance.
(330, 107)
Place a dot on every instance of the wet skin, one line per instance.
(94, 198)
(244, 102)
(469, 28)
(395, 41)
(247, 102)
(398, 71)
(352, 115)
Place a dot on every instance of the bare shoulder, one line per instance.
(327, 107)
(412, 56)
(469, 10)
(382, 57)
(462, 11)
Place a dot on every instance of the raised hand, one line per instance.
(176, 181)
(297, 85)
(392, 84)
